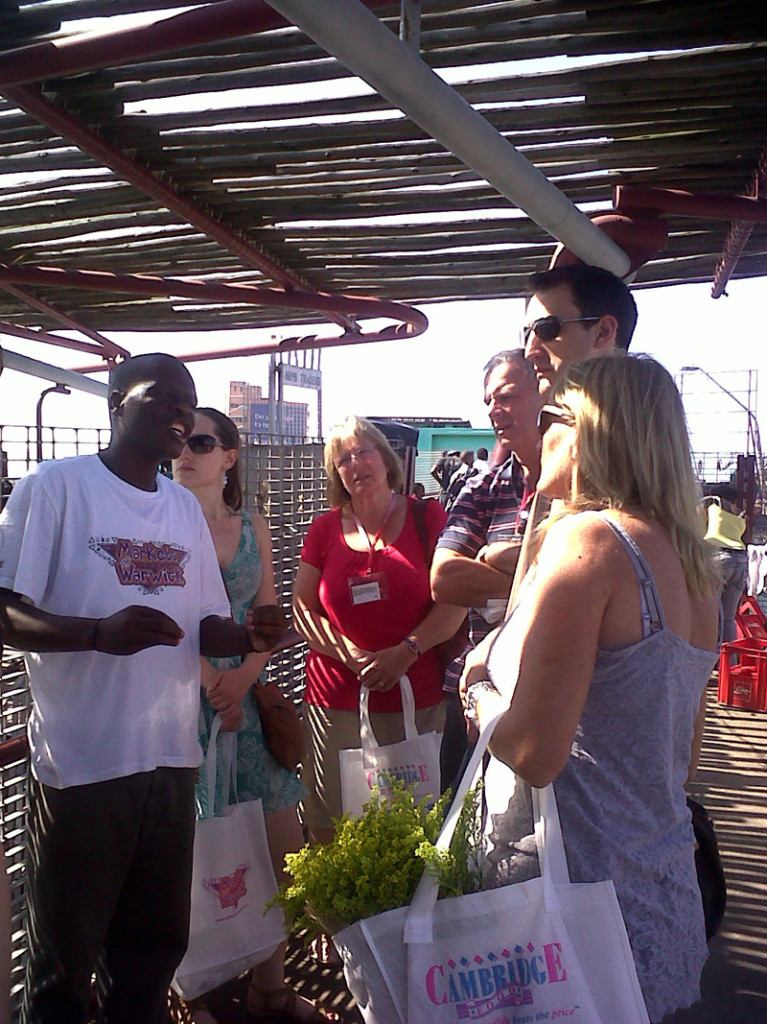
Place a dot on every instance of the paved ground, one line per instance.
(732, 784)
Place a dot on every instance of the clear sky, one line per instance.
(440, 373)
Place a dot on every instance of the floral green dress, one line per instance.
(258, 774)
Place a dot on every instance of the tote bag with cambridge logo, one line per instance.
(232, 881)
(544, 949)
(414, 761)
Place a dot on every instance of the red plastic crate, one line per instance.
(750, 620)
(743, 674)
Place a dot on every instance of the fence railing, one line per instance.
(285, 482)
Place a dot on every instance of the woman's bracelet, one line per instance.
(94, 645)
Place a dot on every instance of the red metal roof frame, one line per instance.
(228, 19)
(412, 321)
(224, 20)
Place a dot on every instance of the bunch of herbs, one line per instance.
(374, 862)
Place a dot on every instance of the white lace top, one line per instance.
(621, 795)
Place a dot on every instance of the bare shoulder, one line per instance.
(261, 528)
(581, 538)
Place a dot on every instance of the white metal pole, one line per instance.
(72, 379)
(353, 34)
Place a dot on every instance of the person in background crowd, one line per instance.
(464, 472)
(600, 672)
(478, 548)
(362, 601)
(725, 528)
(108, 570)
(481, 464)
(209, 466)
(419, 491)
(442, 470)
(575, 312)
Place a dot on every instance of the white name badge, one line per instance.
(367, 589)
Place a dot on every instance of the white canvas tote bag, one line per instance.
(544, 946)
(232, 881)
(415, 760)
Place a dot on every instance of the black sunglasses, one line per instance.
(203, 444)
(553, 414)
(550, 327)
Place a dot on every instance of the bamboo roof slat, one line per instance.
(337, 185)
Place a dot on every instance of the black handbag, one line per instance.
(708, 864)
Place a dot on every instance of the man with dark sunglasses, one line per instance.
(109, 572)
(574, 312)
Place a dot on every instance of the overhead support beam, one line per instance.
(215, 22)
(739, 234)
(734, 244)
(111, 351)
(412, 322)
(275, 345)
(70, 378)
(31, 100)
(348, 31)
(678, 202)
(43, 337)
(410, 23)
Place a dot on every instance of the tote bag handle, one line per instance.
(551, 845)
(418, 923)
(368, 742)
(229, 745)
(548, 837)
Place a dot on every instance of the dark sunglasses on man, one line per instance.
(548, 328)
(554, 414)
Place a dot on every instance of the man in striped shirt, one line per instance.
(477, 552)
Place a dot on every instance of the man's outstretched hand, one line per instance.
(266, 625)
(135, 628)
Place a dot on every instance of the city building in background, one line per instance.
(249, 408)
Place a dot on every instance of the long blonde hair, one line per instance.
(363, 431)
(633, 451)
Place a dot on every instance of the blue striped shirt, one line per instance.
(488, 510)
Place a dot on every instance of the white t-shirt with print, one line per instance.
(77, 540)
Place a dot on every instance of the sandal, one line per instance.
(322, 951)
(280, 1004)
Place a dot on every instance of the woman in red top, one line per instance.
(362, 601)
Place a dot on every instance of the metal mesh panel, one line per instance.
(21, 448)
(285, 482)
(14, 768)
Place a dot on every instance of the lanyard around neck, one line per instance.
(364, 534)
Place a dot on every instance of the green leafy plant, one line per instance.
(375, 862)
(458, 868)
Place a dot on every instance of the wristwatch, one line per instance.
(413, 644)
(473, 694)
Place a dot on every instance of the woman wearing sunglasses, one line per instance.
(209, 467)
(603, 665)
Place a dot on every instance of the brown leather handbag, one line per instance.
(280, 725)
